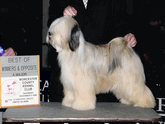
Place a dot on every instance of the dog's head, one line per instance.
(64, 33)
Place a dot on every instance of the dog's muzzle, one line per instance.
(49, 37)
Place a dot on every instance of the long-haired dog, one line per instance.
(88, 69)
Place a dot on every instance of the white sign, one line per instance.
(20, 83)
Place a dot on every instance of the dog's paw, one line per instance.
(124, 101)
(67, 101)
(146, 104)
(83, 105)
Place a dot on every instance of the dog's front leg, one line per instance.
(85, 98)
(68, 97)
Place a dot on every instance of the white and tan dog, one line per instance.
(88, 69)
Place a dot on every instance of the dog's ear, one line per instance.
(74, 38)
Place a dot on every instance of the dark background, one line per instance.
(21, 22)
(21, 25)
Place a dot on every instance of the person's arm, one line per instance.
(56, 9)
(122, 22)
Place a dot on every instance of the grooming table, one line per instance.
(104, 112)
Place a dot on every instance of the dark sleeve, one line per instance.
(122, 21)
(7, 37)
(56, 9)
(21, 27)
(3, 44)
(18, 41)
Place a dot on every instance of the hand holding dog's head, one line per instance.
(64, 34)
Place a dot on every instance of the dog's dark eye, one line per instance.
(50, 34)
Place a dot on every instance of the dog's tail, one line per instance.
(116, 47)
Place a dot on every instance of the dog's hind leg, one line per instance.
(145, 99)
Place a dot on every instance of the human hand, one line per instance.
(131, 39)
(9, 52)
(70, 11)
